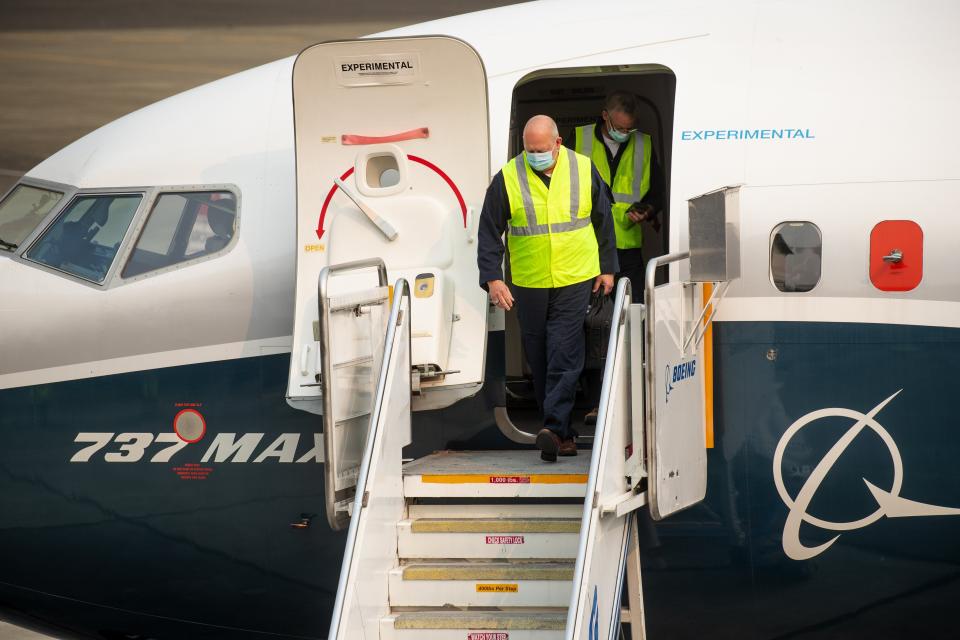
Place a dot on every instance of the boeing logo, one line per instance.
(889, 503)
(593, 630)
(677, 374)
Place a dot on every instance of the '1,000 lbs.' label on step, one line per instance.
(509, 479)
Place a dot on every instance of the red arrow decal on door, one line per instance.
(417, 159)
(453, 186)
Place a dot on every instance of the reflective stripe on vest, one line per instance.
(585, 147)
(534, 229)
(550, 236)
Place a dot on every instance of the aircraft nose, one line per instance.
(12, 279)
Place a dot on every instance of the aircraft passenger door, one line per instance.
(392, 153)
(392, 163)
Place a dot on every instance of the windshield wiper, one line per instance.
(8, 245)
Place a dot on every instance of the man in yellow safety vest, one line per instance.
(555, 209)
(625, 160)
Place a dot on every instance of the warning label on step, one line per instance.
(509, 479)
(504, 539)
(488, 635)
(497, 588)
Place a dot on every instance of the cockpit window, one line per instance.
(85, 238)
(795, 255)
(22, 210)
(183, 226)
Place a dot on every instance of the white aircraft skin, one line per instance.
(864, 98)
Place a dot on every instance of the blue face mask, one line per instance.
(539, 161)
(617, 136)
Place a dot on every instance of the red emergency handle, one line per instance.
(413, 134)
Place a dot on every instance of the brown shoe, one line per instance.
(549, 443)
(591, 417)
(568, 447)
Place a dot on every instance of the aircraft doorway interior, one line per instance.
(574, 97)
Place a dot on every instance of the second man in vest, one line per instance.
(555, 209)
(625, 160)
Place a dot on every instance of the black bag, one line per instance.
(596, 325)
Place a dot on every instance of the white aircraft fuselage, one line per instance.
(834, 117)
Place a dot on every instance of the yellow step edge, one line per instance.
(485, 620)
(500, 479)
(495, 525)
(489, 571)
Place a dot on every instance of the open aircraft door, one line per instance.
(392, 154)
(677, 353)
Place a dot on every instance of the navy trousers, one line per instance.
(551, 323)
(631, 266)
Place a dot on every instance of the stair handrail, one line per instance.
(326, 373)
(620, 313)
(401, 291)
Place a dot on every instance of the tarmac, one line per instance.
(10, 632)
(67, 68)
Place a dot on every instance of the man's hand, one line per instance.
(640, 212)
(604, 280)
(500, 294)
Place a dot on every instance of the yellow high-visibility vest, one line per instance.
(629, 185)
(551, 241)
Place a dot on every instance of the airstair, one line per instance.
(475, 545)
(487, 544)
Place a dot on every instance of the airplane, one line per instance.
(175, 285)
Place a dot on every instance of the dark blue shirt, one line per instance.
(495, 217)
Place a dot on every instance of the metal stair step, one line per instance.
(495, 474)
(449, 538)
(484, 510)
(475, 625)
(488, 570)
(482, 584)
(496, 525)
(548, 620)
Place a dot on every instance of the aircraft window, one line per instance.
(21, 211)
(85, 238)
(795, 255)
(183, 226)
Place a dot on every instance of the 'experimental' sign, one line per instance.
(385, 68)
(705, 135)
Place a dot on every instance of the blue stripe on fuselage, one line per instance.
(137, 536)
(135, 548)
(221, 550)
(722, 565)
